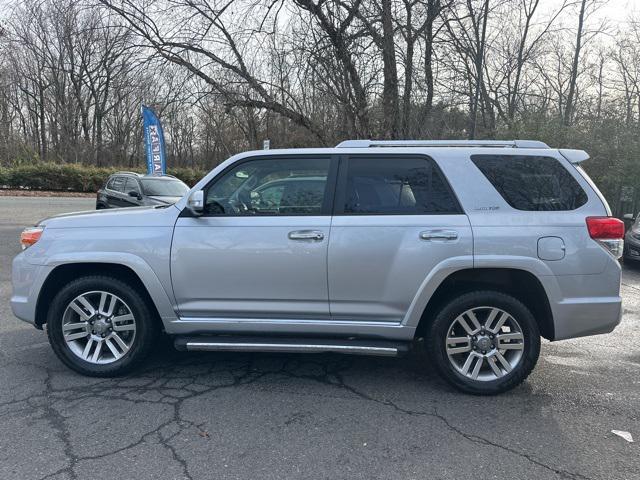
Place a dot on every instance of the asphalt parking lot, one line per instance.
(268, 416)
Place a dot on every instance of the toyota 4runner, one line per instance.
(479, 247)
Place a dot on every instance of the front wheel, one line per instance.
(484, 342)
(100, 326)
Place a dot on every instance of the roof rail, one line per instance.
(442, 143)
(137, 174)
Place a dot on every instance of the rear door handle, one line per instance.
(439, 235)
(306, 235)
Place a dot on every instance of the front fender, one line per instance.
(162, 299)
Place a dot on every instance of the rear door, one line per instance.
(115, 190)
(396, 219)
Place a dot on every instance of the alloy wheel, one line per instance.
(98, 327)
(484, 343)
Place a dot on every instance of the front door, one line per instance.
(130, 186)
(396, 220)
(260, 249)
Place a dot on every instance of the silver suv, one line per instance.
(480, 248)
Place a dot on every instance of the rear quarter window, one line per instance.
(532, 183)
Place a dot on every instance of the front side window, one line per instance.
(131, 186)
(270, 187)
(397, 186)
(532, 183)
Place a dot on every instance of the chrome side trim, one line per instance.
(288, 321)
(328, 328)
(290, 347)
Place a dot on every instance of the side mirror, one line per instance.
(135, 194)
(628, 216)
(195, 202)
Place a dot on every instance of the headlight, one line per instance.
(30, 235)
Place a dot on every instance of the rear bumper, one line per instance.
(579, 317)
(587, 304)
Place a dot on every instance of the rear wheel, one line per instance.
(100, 326)
(484, 342)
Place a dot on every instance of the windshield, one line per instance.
(157, 187)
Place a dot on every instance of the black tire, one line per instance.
(439, 328)
(146, 326)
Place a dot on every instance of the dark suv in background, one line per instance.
(129, 189)
(632, 238)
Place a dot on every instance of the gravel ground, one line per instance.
(238, 416)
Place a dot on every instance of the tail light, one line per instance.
(29, 236)
(608, 232)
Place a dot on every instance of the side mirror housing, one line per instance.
(628, 216)
(195, 202)
(135, 194)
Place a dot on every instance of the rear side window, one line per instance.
(116, 184)
(532, 183)
(396, 186)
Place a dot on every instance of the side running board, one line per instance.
(290, 344)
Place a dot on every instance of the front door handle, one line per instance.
(439, 235)
(306, 235)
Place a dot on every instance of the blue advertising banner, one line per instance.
(154, 142)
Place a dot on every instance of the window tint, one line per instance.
(117, 184)
(397, 185)
(161, 187)
(131, 186)
(532, 183)
(270, 187)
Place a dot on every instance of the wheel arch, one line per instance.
(66, 272)
(518, 283)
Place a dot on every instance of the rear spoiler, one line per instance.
(574, 156)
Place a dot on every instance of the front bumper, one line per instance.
(27, 280)
(631, 247)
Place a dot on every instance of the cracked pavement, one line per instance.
(239, 416)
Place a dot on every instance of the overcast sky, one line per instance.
(618, 10)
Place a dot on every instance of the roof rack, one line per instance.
(126, 173)
(442, 143)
